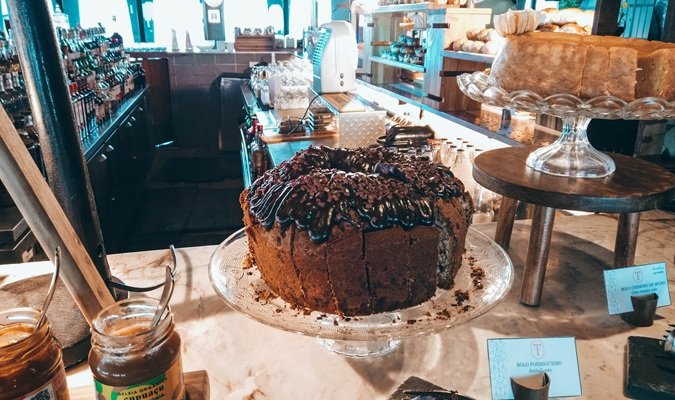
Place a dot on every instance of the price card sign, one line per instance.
(622, 283)
(515, 358)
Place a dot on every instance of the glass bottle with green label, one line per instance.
(132, 359)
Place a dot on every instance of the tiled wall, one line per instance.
(195, 92)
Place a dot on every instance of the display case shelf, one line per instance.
(426, 6)
(463, 55)
(398, 64)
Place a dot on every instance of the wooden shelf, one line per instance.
(463, 55)
(398, 64)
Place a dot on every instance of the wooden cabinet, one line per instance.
(456, 63)
(138, 146)
(101, 185)
(117, 171)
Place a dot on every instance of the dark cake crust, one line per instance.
(357, 231)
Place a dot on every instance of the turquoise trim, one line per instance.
(72, 8)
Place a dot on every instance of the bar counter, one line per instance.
(247, 360)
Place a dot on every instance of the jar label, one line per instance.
(55, 389)
(168, 385)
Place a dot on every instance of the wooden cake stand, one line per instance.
(636, 185)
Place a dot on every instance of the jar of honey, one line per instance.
(31, 361)
(132, 359)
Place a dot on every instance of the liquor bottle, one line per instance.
(258, 153)
(5, 99)
(13, 96)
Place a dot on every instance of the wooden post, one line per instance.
(505, 220)
(537, 255)
(49, 223)
(626, 239)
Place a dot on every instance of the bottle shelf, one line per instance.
(398, 64)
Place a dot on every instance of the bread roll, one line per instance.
(573, 28)
(489, 34)
(493, 35)
(466, 46)
(548, 28)
(569, 16)
(472, 34)
(476, 46)
(546, 15)
(491, 47)
(516, 22)
(457, 44)
(481, 35)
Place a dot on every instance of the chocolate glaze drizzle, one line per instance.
(369, 188)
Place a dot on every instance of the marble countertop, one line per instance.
(248, 360)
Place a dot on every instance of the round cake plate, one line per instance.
(364, 336)
(572, 155)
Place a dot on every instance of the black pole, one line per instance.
(40, 58)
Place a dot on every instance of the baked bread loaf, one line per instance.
(586, 66)
(356, 231)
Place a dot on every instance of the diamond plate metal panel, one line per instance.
(360, 129)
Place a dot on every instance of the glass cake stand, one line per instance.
(572, 155)
(364, 336)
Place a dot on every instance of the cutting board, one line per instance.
(650, 372)
(270, 138)
(344, 102)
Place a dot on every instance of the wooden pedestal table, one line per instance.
(635, 186)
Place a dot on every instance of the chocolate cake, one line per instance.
(356, 231)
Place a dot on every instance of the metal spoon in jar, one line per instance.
(166, 296)
(52, 288)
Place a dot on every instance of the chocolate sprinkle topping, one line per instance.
(369, 188)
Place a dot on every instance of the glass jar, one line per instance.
(130, 359)
(31, 361)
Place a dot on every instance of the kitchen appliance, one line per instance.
(335, 58)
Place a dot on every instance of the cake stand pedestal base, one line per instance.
(572, 155)
(360, 349)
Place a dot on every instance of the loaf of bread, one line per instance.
(586, 66)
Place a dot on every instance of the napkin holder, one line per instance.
(644, 310)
